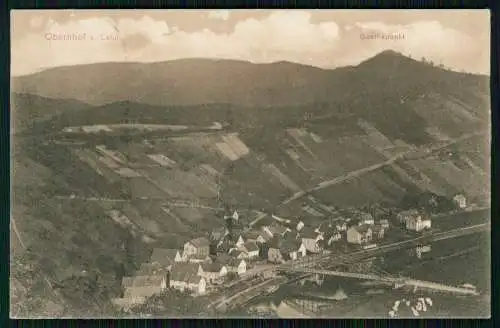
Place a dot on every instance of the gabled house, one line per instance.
(232, 264)
(213, 271)
(404, 216)
(197, 284)
(166, 257)
(153, 269)
(276, 230)
(263, 238)
(237, 254)
(384, 223)
(199, 259)
(238, 266)
(335, 236)
(378, 231)
(418, 223)
(275, 255)
(364, 218)
(224, 247)
(250, 249)
(248, 236)
(145, 286)
(198, 246)
(292, 249)
(218, 234)
(299, 226)
(310, 239)
(460, 201)
(182, 276)
(359, 234)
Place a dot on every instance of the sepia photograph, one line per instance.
(250, 164)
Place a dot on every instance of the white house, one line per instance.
(213, 271)
(197, 285)
(199, 259)
(310, 240)
(460, 201)
(198, 246)
(418, 223)
(341, 226)
(384, 223)
(276, 230)
(365, 219)
(250, 249)
(299, 226)
(293, 249)
(235, 216)
(253, 236)
(238, 266)
(406, 215)
(145, 286)
(336, 236)
(166, 257)
(181, 274)
(359, 234)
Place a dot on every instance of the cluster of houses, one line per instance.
(211, 260)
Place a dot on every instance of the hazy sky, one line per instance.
(323, 38)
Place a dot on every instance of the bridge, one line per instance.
(397, 281)
(315, 264)
(308, 266)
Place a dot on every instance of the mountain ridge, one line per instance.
(199, 81)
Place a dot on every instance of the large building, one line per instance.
(418, 223)
(197, 247)
(359, 234)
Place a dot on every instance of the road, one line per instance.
(374, 167)
(180, 203)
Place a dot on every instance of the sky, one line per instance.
(41, 39)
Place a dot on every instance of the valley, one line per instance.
(91, 203)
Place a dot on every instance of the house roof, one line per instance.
(308, 232)
(199, 257)
(200, 242)
(163, 256)
(251, 235)
(410, 212)
(218, 233)
(212, 267)
(361, 228)
(364, 216)
(265, 236)
(194, 280)
(277, 229)
(151, 269)
(146, 291)
(235, 253)
(290, 246)
(250, 246)
(225, 246)
(184, 271)
(146, 281)
(223, 259)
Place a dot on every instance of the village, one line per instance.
(235, 252)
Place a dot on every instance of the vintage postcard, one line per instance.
(250, 164)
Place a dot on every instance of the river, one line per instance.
(464, 260)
